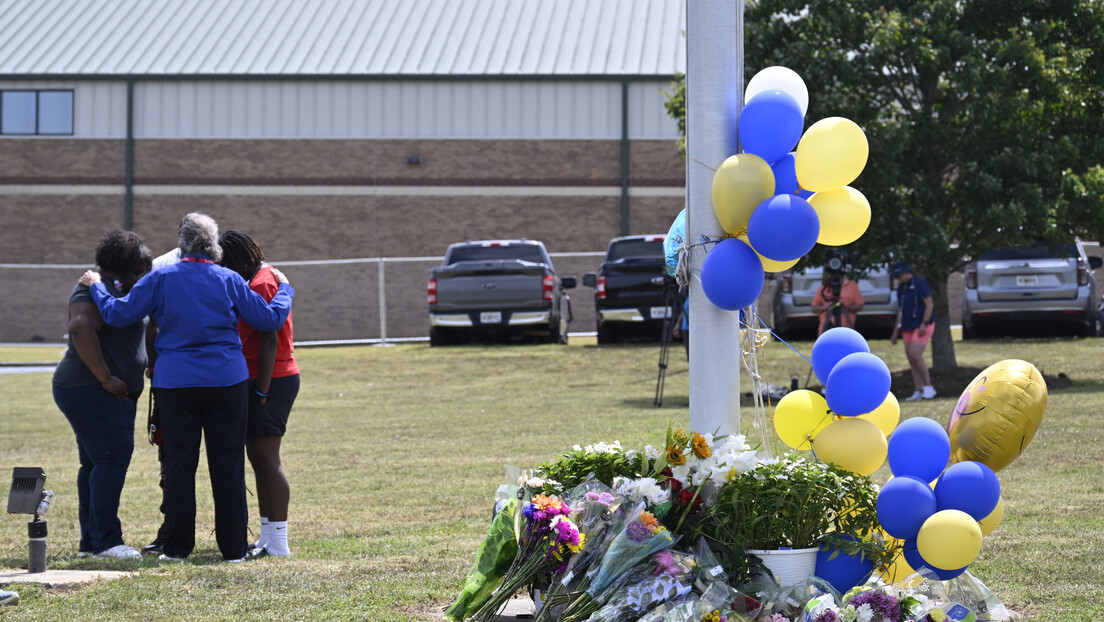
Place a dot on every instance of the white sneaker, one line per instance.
(929, 392)
(171, 560)
(915, 397)
(84, 554)
(120, 551)
(8, 598)
(253, 553)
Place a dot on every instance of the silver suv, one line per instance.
(793, 300)
(1039, 283)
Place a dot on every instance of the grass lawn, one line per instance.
(394, 454)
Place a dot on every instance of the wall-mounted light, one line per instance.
(413, 159)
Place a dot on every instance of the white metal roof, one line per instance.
(342, 37)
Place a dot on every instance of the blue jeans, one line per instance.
(105, 442)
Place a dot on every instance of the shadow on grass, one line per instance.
(1085, 386)
(669, 401)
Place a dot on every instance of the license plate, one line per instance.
(659, 313)
(1027, 281)
(490, 317)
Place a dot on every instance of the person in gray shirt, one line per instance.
(96, 386)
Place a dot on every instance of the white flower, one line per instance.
(650, 490)
(780, 476)
(577, 448)
(630, 454)
(681, 473)
(864, 613)
(759, 477)
(848, 614)
(651, 452)
(535, 482)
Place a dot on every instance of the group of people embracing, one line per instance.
(212, 330)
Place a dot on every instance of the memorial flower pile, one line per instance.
(661, 534)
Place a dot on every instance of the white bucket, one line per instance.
(790, 566)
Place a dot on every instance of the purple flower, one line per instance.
(828, 615)
(884, 606)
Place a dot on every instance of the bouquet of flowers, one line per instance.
(671, 578)
(640, 536)
(547, 538)
(600, 461)
(698, 466)
(597, 514)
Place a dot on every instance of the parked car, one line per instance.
(1037, 283)
(792, 305)
(497, 288)
(632, 294)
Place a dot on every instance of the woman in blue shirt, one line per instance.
(915, 323)
(200, 377)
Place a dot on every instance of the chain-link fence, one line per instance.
(376, 298)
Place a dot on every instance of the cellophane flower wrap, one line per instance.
(492, 560)
(640, 536)
(672, 577)
(596, 509)
(547, 538)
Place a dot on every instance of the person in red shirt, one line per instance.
(850, 302)
(273, 386)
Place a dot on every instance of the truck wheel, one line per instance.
(558, 333)
(439, 337)
(608, 334)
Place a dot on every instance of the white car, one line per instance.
(1038, 283)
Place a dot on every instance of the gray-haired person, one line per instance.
(200, 377)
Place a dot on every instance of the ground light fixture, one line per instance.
(27, 496)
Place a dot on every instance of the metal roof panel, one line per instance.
(341, 37)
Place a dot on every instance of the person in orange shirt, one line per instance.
(849, 302)
(274, 385)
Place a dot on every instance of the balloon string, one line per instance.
(697, 161)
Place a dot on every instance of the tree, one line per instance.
(985, 119)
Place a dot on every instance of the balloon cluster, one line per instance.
(939, 512)
(848, 426)
(765, 198)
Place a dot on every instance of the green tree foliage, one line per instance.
(985, 119)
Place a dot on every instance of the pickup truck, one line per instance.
(632, 296)
(497, 288)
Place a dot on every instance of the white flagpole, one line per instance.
(714, 88)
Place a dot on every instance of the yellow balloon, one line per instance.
(799, 416)
(831, 154)
(991, 522)
(949, 540)
(998, 413)
(852, 444)
(769, 265)
(899, 572)
(886, 416)
(844, 215)
(741, 183)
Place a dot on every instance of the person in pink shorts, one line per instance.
(915, 325)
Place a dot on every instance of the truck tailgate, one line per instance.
(496, 284)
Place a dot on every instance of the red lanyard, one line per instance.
(197, 259)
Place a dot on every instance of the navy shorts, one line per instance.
(270, 418)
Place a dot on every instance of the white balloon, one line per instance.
(782, 79)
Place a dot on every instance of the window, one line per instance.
(36, 112)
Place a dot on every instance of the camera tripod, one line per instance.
(671, 299)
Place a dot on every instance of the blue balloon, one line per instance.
(732, 275)
(904, 503)
(919, 447)
(771, 124)
(833, 345)
(926, 570)
(969, 486)
(845, 571)
(858, 384)
(784, 227)
(785, 177)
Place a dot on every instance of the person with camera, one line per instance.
(837, 300)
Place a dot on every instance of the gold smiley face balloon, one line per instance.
(997, 415)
